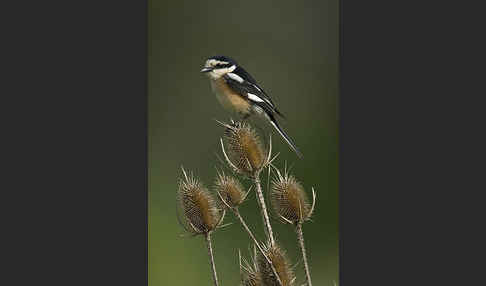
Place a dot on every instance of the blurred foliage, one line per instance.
(291, 48)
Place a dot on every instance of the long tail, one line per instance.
(285, 136)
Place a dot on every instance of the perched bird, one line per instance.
(239, 92)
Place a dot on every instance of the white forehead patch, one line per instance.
(217, 73)
(213, 62)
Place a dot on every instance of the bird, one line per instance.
(239, 92)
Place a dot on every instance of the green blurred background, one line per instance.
(291, 48)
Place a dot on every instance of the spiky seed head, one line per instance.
(281, 263)
(252, 279)
(289, 200)
(199, 211)
(245, 148)
(250, 275)
(230, 190)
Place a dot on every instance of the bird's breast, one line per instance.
(228, 98)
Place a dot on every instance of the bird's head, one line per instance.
(217, 66)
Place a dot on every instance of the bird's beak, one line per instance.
(206, 69)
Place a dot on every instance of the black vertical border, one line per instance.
(75, 90)
(409, 143)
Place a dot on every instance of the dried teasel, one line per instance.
(252, 280)
(200, 214)
(281, 263)
(229, 190)
(289, 199)
(290, 203)
(245, 149)
(249, 274)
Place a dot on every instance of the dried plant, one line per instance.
(246, 155)
(246, 148)
(261, 270)
(231, 195)
(249, 273)
(230, 190)
(281, 263)
(291, 205)
(200, 214)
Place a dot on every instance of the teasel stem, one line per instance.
(300, 238)
(250, 233)
(263, 208)
(211, 258)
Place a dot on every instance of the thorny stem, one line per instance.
(263, 208)
(250, 233)
(211, 258)
(300, 237)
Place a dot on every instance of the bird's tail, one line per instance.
(286, 137)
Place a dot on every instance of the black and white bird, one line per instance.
(239, 92)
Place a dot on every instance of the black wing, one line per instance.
(247, 77)
(244, 84)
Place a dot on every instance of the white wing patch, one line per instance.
(236, 77)
(262, 98)
(255, 86)
(254, 98)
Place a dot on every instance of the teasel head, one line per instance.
(249, 274)
(246, 154)
(289, 200)
(252, 280)
(200, 214)
(229, 190)
(281, 263)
